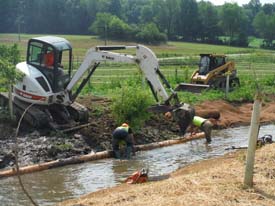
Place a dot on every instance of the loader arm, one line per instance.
(221, 70)
(144, 58)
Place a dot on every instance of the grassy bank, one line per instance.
(212, 182)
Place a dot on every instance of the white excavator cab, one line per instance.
(51, 56)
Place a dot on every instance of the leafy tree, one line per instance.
(115, 8)
(165, 16)
(173, 9)
(9, 56)
(268, 9)
(112, 25)
(260, 23)
(188, 22)
(74, 13)
(146, 14)
(251, 9)
(101, 23)
(209, 18)
(133, 9)
(91, 8)
(265, 26)
(233, 21)
(254, 6)
(118, 29)
(150, 34)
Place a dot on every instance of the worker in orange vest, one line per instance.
(123, 134)
(49, 59)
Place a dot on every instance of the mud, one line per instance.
(42, 146)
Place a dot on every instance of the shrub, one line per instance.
(150, 34)
(11, 54)
(130, 105)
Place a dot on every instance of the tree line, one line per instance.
(149, 21)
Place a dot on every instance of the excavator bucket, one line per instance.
(159, 108)
(194, 88)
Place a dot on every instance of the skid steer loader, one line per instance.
(212, 73)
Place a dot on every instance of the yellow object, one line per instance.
(197, 121)
(213, 70)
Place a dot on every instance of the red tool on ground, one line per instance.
(140, 176)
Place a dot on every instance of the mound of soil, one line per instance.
(35, 147)
(237, 114)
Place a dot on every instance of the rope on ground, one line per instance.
(16, 157)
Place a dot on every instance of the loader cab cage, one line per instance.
(209, 62)
(53, 57)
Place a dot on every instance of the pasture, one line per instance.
(177, 61)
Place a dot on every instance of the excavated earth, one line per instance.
(42, 146)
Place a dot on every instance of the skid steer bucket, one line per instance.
(194, 88)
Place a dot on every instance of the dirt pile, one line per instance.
(236, 114)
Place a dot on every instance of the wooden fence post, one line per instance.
(227, 85)
(252, 142)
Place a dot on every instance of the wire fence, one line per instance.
(183, 67)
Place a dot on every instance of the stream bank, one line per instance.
(43, 146)
(211, 182)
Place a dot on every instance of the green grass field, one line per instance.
(82, 43)
(177, 60)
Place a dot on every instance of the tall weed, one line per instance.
(130, 105)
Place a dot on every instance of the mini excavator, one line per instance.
(51, 87)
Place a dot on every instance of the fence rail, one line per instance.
(181, 67)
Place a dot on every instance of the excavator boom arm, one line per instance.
(145, 59)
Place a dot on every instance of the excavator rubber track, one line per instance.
(35, 117)
(56, 117)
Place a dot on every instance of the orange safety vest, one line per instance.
(49, 59)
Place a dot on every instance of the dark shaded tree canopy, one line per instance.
(188, 20)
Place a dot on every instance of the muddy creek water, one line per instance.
(51, 186)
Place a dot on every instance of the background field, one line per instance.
(177, 59)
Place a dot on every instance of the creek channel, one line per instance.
(55, 185)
